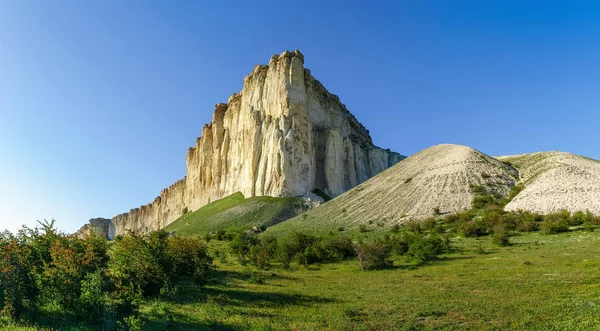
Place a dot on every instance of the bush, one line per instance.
(555, 223)
(400, 243)
(429, 223)
(472, 228)
(17, 284)
(337, 249)
(373, 255)
(395, 228)
(263, 252)
(414, 226)
(89, 281)
(286, 253)
(188, 258)
(501, 236)
(422, 249)
(362, 228)
(240, 246)
(483, 201)
(134, 268)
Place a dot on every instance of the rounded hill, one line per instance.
(437, 180)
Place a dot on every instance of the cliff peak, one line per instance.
(282, 135)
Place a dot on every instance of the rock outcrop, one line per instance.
(99, 227)
(283, 135)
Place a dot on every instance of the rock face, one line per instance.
(437, 177)
(556, 180)
(99, 227)
(283, 135)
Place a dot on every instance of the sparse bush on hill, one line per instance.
(426, 248)
(263, 252)
(501, 236)
(241, 244)
(373, 255)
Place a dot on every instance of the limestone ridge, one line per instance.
(283, 135)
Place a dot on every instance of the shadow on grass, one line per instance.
(173, 322)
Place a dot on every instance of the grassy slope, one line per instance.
(236, 213)
(542, 282)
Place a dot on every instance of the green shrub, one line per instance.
(429, 223)
(555, 223)
(337, 249)
(134, 268)
(263, 252)
(240, 246)
(395, 228)
(286, 252)
(422, 249)
(373, 255)
(472, 228)
(501, 236)
(362, 228)
(399, 244)
(188, 257)
(483, 201)
(413, 226)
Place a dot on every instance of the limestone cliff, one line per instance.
(98, 226)
(283, 135)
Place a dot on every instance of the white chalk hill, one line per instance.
(556, 180)
(437, 179)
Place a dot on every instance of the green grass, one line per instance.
(541, 282)
(236, 213)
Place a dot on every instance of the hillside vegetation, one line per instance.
(237, 213)
(539, 282)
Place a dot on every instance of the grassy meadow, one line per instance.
(540, 282)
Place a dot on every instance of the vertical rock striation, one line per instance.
(283, 135)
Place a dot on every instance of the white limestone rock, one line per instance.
(283, 135)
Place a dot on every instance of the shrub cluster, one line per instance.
(306, 249)
(89, 279)
(300, 247)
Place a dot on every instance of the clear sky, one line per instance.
(100, 100)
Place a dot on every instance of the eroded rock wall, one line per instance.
(283, 135)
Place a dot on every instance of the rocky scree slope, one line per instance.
(556, 180)
(283, 135)
(438, 179)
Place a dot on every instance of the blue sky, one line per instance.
(100, 100)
